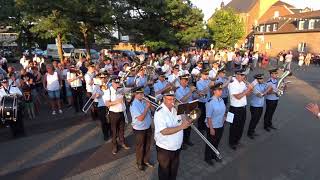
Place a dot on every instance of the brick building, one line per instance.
(250, 11)
(298, 32)
(265, 14)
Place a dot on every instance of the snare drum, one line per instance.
(9, 108)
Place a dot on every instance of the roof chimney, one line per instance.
(222, 5)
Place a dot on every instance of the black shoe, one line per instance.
(250, 136)
(140, 167)
(218, 160)
(272, 127)
(148, 164)
(189, 143)
(267, 129)
(255, 134)
(233, 147)
(105, 138)
(184, 147)
(209, 162)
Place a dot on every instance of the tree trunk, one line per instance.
(86, 43)
(59, 46)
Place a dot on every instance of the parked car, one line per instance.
(6, 53)
(52, 50)
(76, 54)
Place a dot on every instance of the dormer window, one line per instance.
(301, 25)
(311, 24)
(275, 27)
(268, 28)
(262, 28)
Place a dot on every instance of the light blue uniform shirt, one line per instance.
(225, 91)
(142, 81)
(97, 89)
(136, 109)
(201, 85)
(181, 92)
(273, 83)
(257, 101)
(159, 85)
(215, 109)
(130, 80)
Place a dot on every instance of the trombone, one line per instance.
(193, 115)
(88, 104)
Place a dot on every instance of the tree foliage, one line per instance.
(226, 28)
(156, 23)
(169, 23)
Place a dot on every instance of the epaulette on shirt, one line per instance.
(209, 100)
(160, 107)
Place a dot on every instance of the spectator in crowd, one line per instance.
(52, 84)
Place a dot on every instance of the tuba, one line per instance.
(281, 86)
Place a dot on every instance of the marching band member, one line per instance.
(184, 70)
(141, 124)
(131, 78)
(174, 77)
(166, 68)
(184, 94)
(98, 89)
(214, 71)
(221, 78)
(168, 136)
(161, 84)
(88, 77)
(115, 103)
(74, 77)
(271, 100)
(215, 118)
(257, 102)
(203, 89)
(238, 100)
(196, 70)
(16, 127)
(142, 80)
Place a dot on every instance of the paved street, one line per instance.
(71, 147)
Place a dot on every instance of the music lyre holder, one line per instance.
(187, 108)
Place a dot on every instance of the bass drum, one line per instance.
(9, 108)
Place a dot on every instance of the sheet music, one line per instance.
(230, 117)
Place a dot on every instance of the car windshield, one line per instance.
(67, 50)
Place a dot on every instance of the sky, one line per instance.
(208, 6)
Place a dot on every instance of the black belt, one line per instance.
(76, 88)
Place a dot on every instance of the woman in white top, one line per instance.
(52, 84)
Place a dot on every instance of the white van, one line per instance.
(52, 50)
(76, 54)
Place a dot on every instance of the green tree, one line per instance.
(226, 28)
(92, 17)
(48, 19)
(55, 25)
(160, 24)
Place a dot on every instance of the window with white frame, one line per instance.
(302, 47)
(275, 27)
(268, 29)
(311, 23)
(262, 28)
(268, 45)
(301, 25)
(276, 14)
